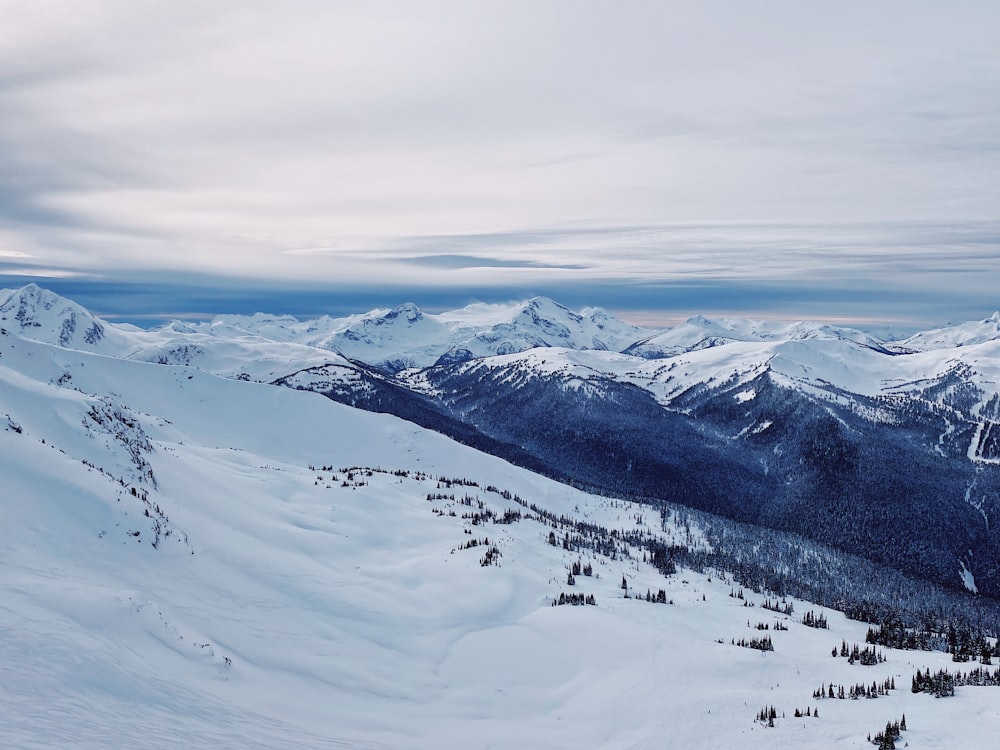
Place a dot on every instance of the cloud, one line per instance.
(474, 261)
(31, 273)
(513, 144)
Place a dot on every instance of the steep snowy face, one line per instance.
(591, 329)
(539, 322)
(39, 314)
(545, 316)
(950, 337)
(559, 326)
(391, 340)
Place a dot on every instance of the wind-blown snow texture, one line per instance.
(186, 560)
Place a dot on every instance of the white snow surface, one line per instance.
(950, 337)
(295, 606)
(700, 332)
(40, 314)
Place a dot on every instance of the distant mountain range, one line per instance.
(214, 562)
(888, 449)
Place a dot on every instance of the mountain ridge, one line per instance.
(189, 557)
(770, 423)
(538, 320)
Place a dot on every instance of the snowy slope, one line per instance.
(266, 347)
(718, 423)
(271, 327)
(406, 336)
(298, 605)
(831, 365)
(245, 358)
(950, 337)
(43, 315)
(700, 332)
(955, 368)
(542, 322)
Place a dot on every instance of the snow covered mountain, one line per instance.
(950, 337)
(700, 332)
(836, 441)
(820, 430)
(390, 340)
(45, 316)
(197, 560)
(41, 315)
(406, 336)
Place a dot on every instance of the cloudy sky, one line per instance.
(838, 161)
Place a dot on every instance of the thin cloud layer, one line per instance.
(522, 145)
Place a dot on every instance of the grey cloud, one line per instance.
(473, 261)
(583, 144)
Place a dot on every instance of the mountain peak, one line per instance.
(549, 308)
(28, 302)
(43, 315)
(699, 320)
(408, 311)
(36, 294)
(545, 303)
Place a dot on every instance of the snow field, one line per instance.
(288, 610)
